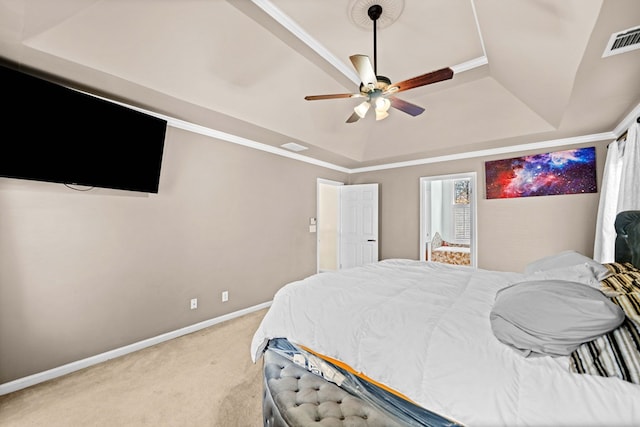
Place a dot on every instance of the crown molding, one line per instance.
(493, 151)
(235, 139)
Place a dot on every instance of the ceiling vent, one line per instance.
(623, 41)
(294, 147)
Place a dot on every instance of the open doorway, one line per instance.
(347, 225)
(328, 211)
(448, 219)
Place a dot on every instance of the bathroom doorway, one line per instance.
(448, 219)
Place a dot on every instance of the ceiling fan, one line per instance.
(378, 90)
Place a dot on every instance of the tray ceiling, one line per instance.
(525, 70)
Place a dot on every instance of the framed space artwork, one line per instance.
(560, 172)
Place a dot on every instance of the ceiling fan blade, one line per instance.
(333, 96)
(363, 66)
(425, 79)
(353, 118)
(405, 106)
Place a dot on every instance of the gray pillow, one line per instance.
(567, 259)
(580, 273)
(551, 317)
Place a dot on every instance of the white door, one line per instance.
(358, 225)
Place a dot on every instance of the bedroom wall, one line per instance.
(511, 232)
(82, 273)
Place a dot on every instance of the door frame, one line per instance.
(474, 208)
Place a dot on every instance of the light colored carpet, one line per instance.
(205, 378)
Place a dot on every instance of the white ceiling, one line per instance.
(526, 71)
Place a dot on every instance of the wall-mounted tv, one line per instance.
(57, 134)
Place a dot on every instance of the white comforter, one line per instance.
(423, 329)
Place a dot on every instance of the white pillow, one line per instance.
(568, 259)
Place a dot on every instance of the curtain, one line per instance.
(620, 191)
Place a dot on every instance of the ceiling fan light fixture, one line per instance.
(361, 109)
(380, 115)
(382, 104)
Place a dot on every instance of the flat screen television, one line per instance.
(57, 134)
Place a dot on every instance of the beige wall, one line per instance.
(511, 232)
(82, 273)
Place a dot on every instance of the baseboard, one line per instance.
(50, 374)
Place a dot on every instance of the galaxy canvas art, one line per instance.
(560, 172)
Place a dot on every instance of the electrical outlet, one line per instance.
(194, 303)
(225, 296)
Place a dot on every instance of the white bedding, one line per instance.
(432, 322)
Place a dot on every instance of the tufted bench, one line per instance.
(294, 397)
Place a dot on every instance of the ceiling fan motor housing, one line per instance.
(381, 85)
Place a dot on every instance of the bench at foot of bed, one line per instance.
(294, 397)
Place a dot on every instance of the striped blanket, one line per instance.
(617, 353)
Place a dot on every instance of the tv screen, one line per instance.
(57, 134)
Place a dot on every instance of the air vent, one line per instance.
(623, 41)
(294, 147)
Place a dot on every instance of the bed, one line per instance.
(440, 250)
(415, 343)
